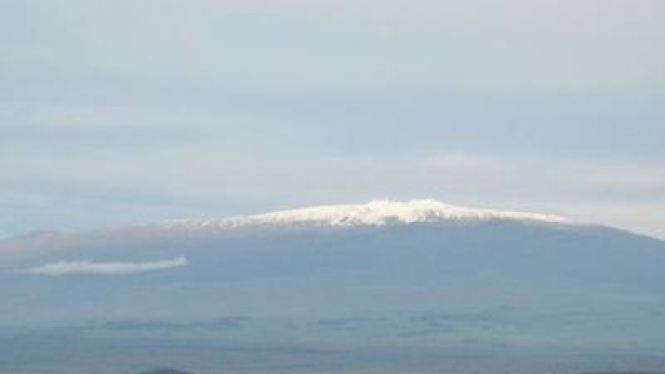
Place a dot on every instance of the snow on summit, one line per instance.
(375, 213)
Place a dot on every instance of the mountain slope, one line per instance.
(382, 257)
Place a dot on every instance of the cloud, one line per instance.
(61, 268)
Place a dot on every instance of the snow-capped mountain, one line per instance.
(379, 257)
(376, 213)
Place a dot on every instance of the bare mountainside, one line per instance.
(383, 257)
(374, 286)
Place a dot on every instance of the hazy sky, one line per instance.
(118, 112)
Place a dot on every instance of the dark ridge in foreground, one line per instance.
(625, 372)
(165, 371)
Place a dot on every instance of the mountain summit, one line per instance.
(375, 213)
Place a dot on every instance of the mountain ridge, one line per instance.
(373, 213)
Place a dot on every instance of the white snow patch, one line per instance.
(375, 213)
(61, 268)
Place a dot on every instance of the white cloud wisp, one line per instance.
(61, 268)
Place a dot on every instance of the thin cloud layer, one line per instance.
(62, 268)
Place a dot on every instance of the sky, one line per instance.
(121, 112)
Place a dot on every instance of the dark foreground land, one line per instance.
(337, 346)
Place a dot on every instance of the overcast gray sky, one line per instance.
(120, 112)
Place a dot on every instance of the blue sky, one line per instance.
(114, 113)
